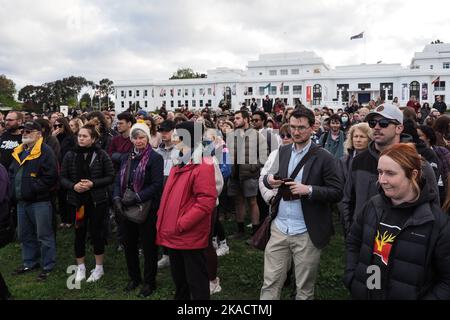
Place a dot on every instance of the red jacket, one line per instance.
(188, 200)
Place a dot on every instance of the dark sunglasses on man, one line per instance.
(383, 123)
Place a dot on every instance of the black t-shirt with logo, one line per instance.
(8, 142)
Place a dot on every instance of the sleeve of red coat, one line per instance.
(205, 194)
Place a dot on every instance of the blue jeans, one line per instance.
(36, 234)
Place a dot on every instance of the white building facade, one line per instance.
(295, 77)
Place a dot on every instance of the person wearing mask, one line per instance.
(11, 138)
(402, 232)
(145, 180)
(333, 141)
(33, 174)
(184, 216)
(345, 121)
(86, 173)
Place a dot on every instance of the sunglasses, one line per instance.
(383, 123)
(26, 131)
(57, 126)
(287, 136)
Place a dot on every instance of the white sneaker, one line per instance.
(214, 286)
(80, 275)
(214, 242)
(96, 274)
(164, 262)
(223, 248)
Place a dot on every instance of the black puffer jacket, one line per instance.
(419, 261)
(102, 175)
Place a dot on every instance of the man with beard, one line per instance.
(11, 138)
(386, 122)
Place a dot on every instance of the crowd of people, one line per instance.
(382, 168)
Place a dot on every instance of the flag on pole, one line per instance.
(357, 36)
(436, 80)
(268, 87)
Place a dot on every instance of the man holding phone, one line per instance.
(303, 225)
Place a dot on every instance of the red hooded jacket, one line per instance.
(188, 200)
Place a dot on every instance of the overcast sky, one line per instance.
(46, 40)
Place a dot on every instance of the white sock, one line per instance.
(82, 266)
(99, 267)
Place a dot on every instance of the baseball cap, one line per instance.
(31, 125)
(388, 111)
(166, 126)
(142, 113)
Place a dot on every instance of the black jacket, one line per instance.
(419, 260)
(102, 175)
(67, 142)
(153, 180)
(320, 171)
(39, 173)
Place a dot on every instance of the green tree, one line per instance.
(7, 87)
(186, 73)
(104, 89)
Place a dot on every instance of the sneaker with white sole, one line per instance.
(223, 248)
(96, 274)
(214, 286)
(164, 262)
(80, 275)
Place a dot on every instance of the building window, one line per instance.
(137, 105)
(122, 104)
(283, 72)
(179, 103)
(179, 92)
(137, 93)
(186, 92)
(193, 103)
(390, 88)
(363, 86)
(261, 90)
(344, 93)
(317, 94)
(209, 91)
(295, 71)
(439, 86)
(209, 103)
(431, 67)
(145, 93)
(171, 103)
(273, 90)
(414, 89)
(272, 72)
(193, 92)
(297, 89)
(248, 91)
(122, 94)
(201, 103)
(130, 93)
(285, 90)
(260, 73)
(186, 103)
(146, 104)
(201, 92)
(446, 65)
(129, 104)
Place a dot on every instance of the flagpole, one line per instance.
(364, 50)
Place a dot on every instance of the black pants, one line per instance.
(66, 212)
(190, 274)
(4, 292)
(146, 232)
(94, 219)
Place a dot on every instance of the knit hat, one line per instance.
(143, 127)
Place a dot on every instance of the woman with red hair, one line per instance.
(399, 245)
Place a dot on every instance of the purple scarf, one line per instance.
(139, 174)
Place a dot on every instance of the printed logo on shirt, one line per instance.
(386, 235)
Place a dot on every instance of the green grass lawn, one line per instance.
(240, 272)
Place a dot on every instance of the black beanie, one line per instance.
(195, 131)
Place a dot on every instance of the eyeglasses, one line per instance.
(300, 128)
(383, 123)
(26, 131)
(57, 126)
(287, 136)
